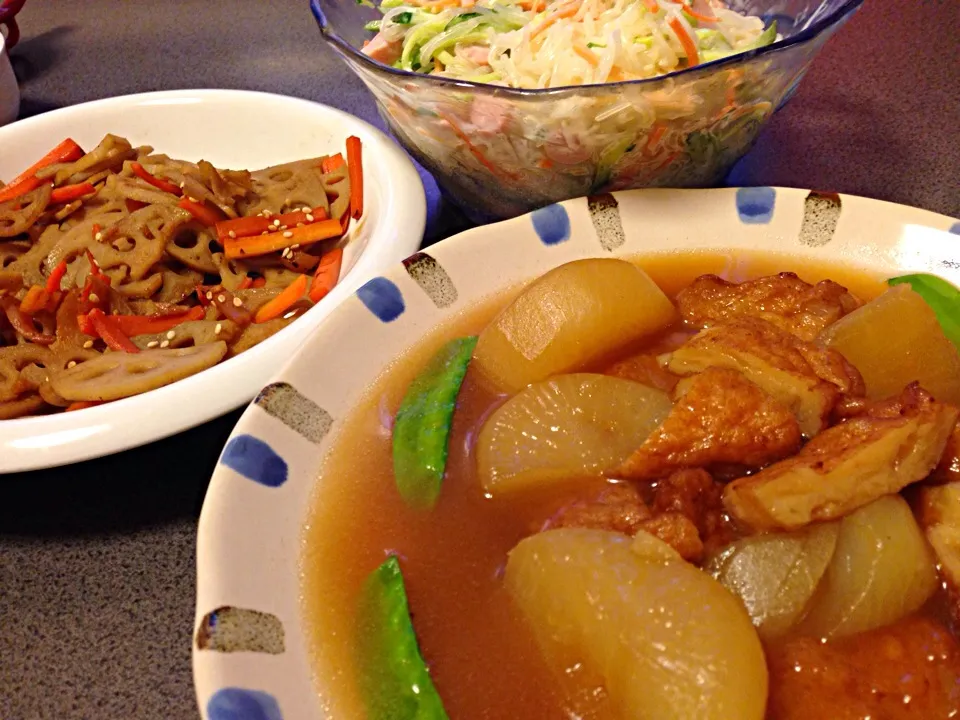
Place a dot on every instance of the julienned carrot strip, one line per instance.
(67, 151)
(202, 213)
(355, 168)
(257, 224)
(653, 139)
(332, 163)
(86, 327)
(56, 276)
(282, 302)
(651, 5)
(82, 405)
(69, 193)
(34, 301)
(475, 151)
(246, 283)
(159, 183)
(258, 282)
(689, 46)
(586, 53)
(566, 11)
(327, 274)
(109, 331)
(133, 325)
(272, 242)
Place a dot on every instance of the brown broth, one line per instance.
(483, 660)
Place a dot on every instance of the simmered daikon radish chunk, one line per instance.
(668, 641)
(896, 340)
(775, 575)
(882, 570)
(574, 314)
(566, 428)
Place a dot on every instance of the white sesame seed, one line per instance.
(295, 246)
(221, 298)
(165, 344)
(289, 314)
(94, 298)
(237, 302)
(218, 329)
(71, 364)
(209, 295)
(284, 227)
(299, 224)
(267, 213)
(182, 185)
(191, 198)
(276, 223)
(264, 233)
(98, 237)
(232, 234)
(171, 335)
(88, 344)
(305, 209)
(287, 233)
(309, 217)
(152, 344)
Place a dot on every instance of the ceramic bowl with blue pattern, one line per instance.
(250, 649)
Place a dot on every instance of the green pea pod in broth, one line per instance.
(421, 433)
(394, 680)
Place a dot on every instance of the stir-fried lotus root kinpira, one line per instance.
(654, 495)
(123, 270)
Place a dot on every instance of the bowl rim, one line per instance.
(249, 537)
(46, 441)
(830, 20)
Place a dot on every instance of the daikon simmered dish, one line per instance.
(686, 487)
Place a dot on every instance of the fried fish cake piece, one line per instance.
(720, 418)
(948, 470)
(618, 508)
(783, 300)
(940, 518)
(878, 453)
(806, 378)
(686, 512)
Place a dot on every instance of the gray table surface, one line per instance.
(97, 559)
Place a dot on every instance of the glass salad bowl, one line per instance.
(499, 152)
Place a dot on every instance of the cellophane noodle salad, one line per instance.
(123, 270)
(557, 43)
(509, 153)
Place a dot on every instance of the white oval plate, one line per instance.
(250, 535)
(233, 129)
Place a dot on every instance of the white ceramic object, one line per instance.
(9, 90)
(233, 129)
(266, 475)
